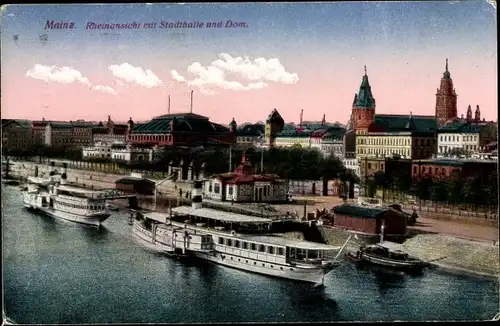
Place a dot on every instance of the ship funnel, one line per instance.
(64, 174)
(196, 194)
(52, 168)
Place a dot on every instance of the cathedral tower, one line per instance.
(446, 99)
(363, 107)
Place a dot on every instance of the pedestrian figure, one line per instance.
(180, 192)
(187, 194)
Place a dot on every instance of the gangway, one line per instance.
(114, 194)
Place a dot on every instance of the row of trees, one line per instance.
(473, 190)
(289, 163)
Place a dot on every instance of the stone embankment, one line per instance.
(443, 251)
(88, 178)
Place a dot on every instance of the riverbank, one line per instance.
(451, 254)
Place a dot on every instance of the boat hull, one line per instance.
(30, 202)
(309, 274)
(402, 265)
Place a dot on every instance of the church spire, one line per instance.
(446, 74)
(365, 97)
(469, 114)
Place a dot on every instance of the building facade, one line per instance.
(117, 152)
(109, 132)
(245, 186)
(250, 135)
(467, 136)
(441, 168)
(182, 129)
(16, 134)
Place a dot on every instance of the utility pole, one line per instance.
(191, 107)
(230, 158)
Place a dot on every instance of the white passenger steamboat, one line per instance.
(235, 240)
(53, 197)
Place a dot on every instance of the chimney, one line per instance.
(64, 174)
(196, 201)
(301, 117)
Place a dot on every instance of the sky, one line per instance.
(288, 56)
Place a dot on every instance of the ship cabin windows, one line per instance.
(303, 254)
(81, 206)
(245, 245)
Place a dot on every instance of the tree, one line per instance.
(330, 168)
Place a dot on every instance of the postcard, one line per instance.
(249, 162)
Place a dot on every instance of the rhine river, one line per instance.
(64, 273)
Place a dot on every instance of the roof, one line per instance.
(453, 161)
(132, 180)
(274, 116)
(364, 98)
(461, 126)
(235, 178)
(77, 190)
(251, 130)
(398, 122)
(282, 241)
(360, 211)
(187, 122)
(295, 133)
(219, 215)
(19, 122)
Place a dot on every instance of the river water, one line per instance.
(60, 272)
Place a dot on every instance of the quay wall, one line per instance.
(450, 253)
(84, 177)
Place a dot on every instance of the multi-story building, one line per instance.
(68, 134)
(351, 162)
(466, 136)
(180, 129)
(16, 134)
(39, 131)
(408, 136)
(117, 152)
(250, 135)
(58, 134)
(109, 132)
(332, 142)
(442, 168)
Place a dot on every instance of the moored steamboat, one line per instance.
(53, 197)
(235, 240)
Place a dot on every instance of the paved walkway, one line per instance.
(457, 229)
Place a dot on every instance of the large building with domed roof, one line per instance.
(180, 129)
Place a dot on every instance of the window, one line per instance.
(245, 245)
(253, 246)
(237, 243)
(217, 188)
(281, 252)
(210, 186)
(230, 190)
(229, 242)
(270, 250)
(221, 240)
(262, 248)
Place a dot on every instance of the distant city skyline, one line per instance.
(290, 56)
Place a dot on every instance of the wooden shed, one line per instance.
(369, 220)
(134, 185)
